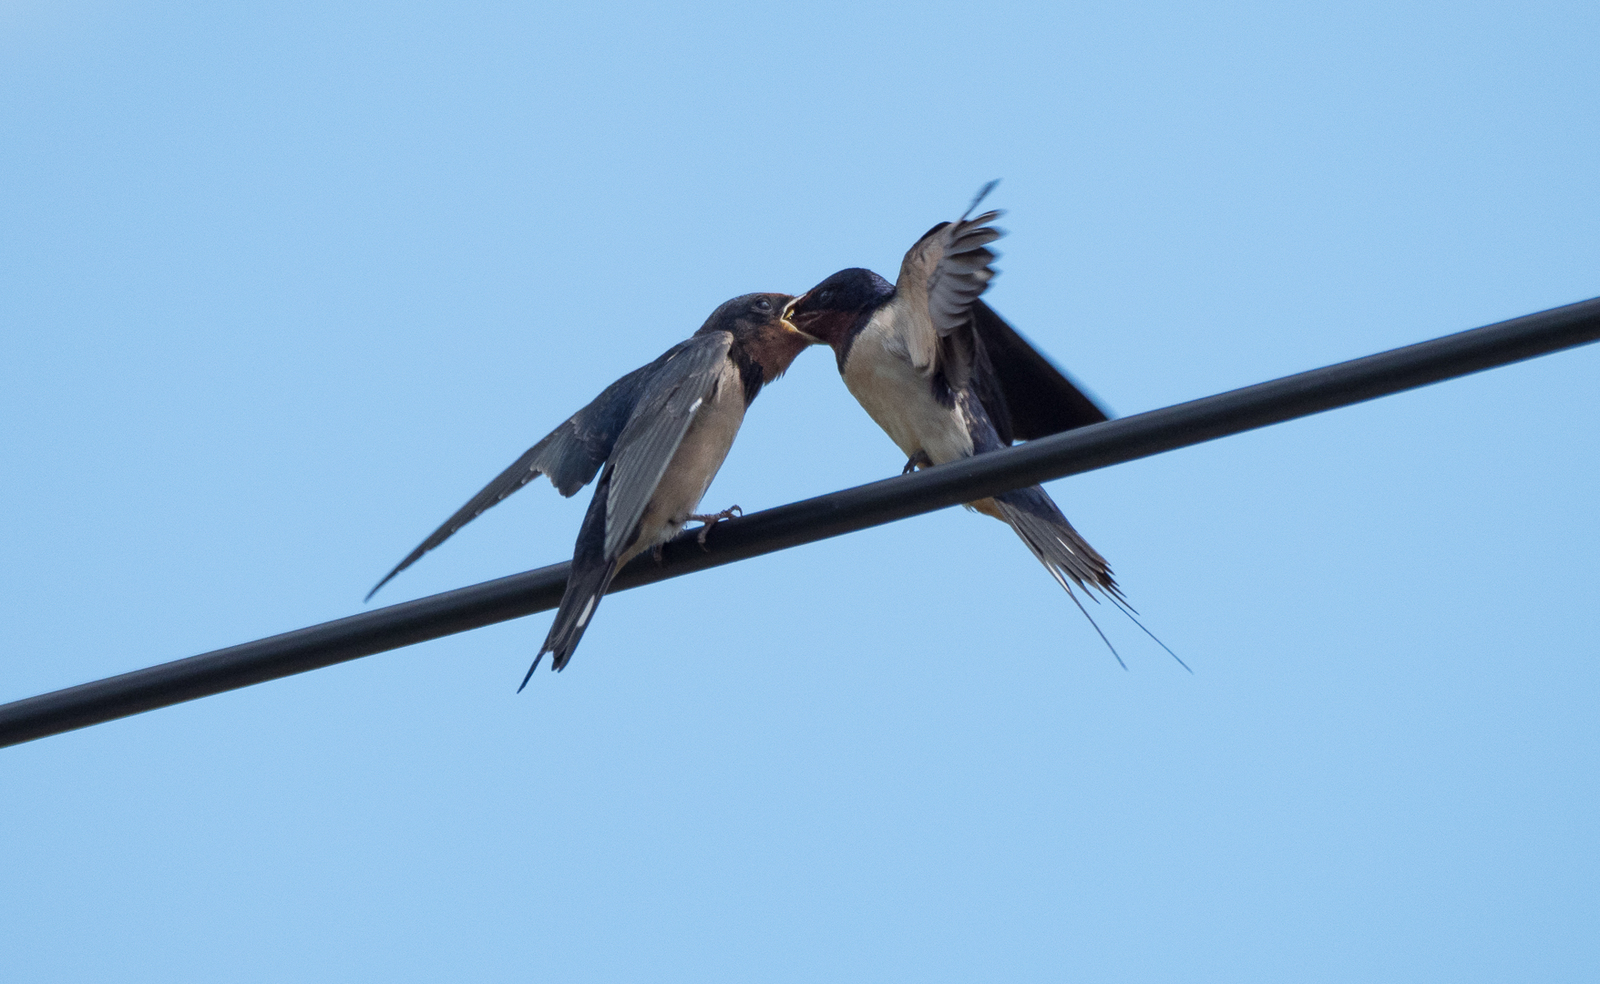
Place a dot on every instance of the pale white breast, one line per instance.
(705, 446)
(879, 374)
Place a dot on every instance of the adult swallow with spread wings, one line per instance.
(656, 437)
(947, 378)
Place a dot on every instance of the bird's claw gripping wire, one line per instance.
(711, 519)
(918, 460)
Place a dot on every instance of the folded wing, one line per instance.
(656, 427)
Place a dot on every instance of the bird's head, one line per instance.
(761, 330)
(829, 311)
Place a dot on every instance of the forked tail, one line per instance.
(1067, 556)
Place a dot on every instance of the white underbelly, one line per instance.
(900, 399)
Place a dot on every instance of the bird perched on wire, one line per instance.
(657, 437)
(947, 378)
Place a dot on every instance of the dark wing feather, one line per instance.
(656, 427)
(1024, 393)
(570, 455)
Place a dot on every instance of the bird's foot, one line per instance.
(655, 552)
(918, 460)
(712, 519)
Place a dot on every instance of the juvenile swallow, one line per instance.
(657, 437)
(947, 378)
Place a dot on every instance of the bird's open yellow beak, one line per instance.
(786, 313)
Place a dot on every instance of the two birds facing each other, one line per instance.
(939, 371)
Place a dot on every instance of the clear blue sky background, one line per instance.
(282, 285)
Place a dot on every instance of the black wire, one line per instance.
(1089, 448)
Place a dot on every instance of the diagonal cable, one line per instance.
(1071, 453)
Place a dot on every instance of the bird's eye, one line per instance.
(763, 305)
(825, 296)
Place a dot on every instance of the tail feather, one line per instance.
(585, 588)
(1059, 547)
(1066, 555)
(587, 581)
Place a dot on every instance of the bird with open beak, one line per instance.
(947, 378)
(657, 438)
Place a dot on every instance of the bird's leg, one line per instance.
(655, 552)
(918, 460)
(713, 518)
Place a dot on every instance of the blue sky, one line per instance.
(281, 287)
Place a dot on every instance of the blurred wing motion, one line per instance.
(962, 339)
(941, 277)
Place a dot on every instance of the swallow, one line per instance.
(947, 378)
(656, 437)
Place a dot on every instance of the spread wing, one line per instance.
(655, 428)
(570, 455)
(1025, 395)
(962, 273)
(941, 277)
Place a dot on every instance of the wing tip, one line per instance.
(979, 197)
(386, 579)
(411, 558)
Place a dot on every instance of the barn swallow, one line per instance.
(947, 378)
(657, 437)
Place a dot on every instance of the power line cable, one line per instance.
(1058, 456)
